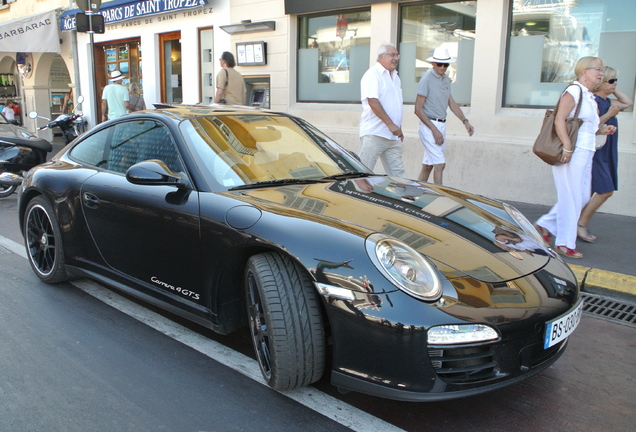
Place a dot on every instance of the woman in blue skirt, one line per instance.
(605, 162)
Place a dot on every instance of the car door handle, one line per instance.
(90, 200)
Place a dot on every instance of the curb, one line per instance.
(591, 278)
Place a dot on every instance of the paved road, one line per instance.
(71, 363)
(72, 360)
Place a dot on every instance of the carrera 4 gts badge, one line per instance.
(183, 292)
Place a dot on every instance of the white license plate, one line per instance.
(562, 327)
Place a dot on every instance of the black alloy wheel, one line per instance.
(285, 321)
(44, 242)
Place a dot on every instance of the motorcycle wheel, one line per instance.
(5, 190)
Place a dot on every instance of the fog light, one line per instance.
(461, 334)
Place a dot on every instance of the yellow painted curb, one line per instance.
(594, 278)
(579, 272)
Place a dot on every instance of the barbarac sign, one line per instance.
(121, 10)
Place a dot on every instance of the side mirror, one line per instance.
(33, 114)
(154, 172)
(80, 99)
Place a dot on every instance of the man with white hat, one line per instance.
(433, 100)
(115, 98)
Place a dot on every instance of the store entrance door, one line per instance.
(170, 51)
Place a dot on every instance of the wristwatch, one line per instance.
(465, 120)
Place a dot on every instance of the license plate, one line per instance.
(562, 327)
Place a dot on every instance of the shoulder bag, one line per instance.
(548, 145)
(227, 82)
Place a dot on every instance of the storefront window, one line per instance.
(549, 37)
(123, 56)
(426, 26)
(126, 58)
(333, 55)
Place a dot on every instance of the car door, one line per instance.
(148, 232)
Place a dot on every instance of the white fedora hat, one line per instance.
(116, 76)
(440, 55)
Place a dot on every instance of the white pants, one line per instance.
(573, 183)
(389, 151)
(433, 153)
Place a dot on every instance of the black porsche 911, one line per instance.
(236, 217)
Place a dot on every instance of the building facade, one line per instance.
(36, 63)
(514, 57)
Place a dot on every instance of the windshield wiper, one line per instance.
(350, 175)
(277, 182)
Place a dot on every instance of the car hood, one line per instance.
(464, 234)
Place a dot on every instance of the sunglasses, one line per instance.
(612, 81)
(442, 64)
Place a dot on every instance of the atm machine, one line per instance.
(257, 91)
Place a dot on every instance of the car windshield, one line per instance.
(251, 149)
(2, 119)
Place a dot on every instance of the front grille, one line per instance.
(463, 364)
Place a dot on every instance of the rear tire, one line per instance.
(5, 191)
(43, 240)
(285, 322)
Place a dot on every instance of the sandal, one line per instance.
(584, 234)
(570, 253)
(544, 233)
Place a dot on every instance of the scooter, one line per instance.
(72, 125)
(20, 150)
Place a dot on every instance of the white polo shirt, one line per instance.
(386, 87)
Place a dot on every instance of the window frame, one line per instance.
(353, 86)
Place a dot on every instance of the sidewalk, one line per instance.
(608, 264)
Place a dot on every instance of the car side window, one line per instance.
(92, 149)
(140, 140)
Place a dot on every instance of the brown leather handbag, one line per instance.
(548, 145)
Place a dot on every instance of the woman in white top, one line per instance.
(573, 176)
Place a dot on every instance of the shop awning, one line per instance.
(35, 33)
(123, 10)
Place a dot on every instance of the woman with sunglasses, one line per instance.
(605, 162)
(573, 176)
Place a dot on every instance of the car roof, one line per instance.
(185, 111)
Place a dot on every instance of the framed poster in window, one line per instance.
(251, 53)
(111, 54)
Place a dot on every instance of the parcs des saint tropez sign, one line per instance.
(126, 10)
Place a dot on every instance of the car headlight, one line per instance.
(460, 334)
(405, 267)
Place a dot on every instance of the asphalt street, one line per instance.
(70, 363)
(72, 359)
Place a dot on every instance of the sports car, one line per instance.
(235, 217)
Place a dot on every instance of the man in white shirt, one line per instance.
(381, 121)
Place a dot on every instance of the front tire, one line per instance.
(43, 241)
(5, 190)
(285, 322)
